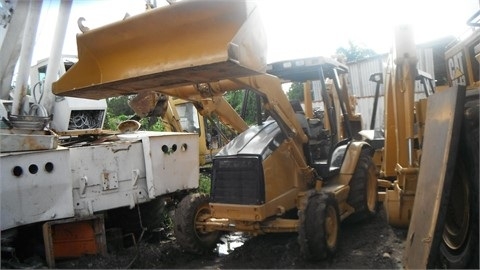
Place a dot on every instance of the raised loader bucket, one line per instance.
(186, 43)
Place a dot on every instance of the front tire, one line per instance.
(192, 238)
(363, 189)
(319, 226)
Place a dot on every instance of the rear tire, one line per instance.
(319, 226)
(363, 189)
(146, 216)
(459, 246)
(193, 239)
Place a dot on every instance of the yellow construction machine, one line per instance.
(179, 115)
(430, 159)
(263, 181)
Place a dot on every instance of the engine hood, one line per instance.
(257, 140)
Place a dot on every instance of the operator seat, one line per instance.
(301, 118)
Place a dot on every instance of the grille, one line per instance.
(238, 180)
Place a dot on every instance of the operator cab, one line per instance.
(328, 139)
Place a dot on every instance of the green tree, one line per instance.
(295, 92)
(237, 99)
(117, 111)
(355, 52)
(119, 106)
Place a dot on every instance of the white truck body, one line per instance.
(80, 181)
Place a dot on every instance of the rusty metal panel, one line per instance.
(25, 140)
(107, 176)
(168, 156)
(139, 167)
(35, 186)
(442, 131)
(74, 237)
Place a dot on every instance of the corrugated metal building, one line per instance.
(430, 59)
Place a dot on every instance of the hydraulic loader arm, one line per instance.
(276, 103)
(220, 106)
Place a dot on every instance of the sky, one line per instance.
(294, 28)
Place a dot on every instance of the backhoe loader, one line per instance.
(430, 159)
(263, 181)
(179, 115)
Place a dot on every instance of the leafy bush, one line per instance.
(112, 121)
(204, 183)
(152, 124)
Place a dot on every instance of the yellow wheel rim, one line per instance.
(331, 226)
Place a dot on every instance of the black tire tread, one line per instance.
(468, 158)
(357, 197)
(311, 235)
(184, 226)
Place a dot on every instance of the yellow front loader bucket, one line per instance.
(190, 42)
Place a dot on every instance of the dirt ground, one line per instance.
(372, 244)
